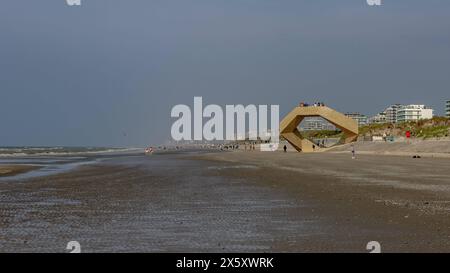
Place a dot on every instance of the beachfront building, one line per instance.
(316, 124)
(447, 109)
(413, 112)
(361, 119)
(391, 113)
(378, 118)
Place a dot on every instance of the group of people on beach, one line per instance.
(247, 146)
(305, 104)
(229, 147)
(251, 146)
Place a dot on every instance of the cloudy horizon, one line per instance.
(107, 73)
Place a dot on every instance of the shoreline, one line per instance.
(13, 170)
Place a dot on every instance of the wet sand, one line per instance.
(402, 202)
(12, 170)
(232, 202)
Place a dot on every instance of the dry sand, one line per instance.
(424, 148)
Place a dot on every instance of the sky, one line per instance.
(107, 73)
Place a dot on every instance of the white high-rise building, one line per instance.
(447, 109)
(361, 119)
(316, 124)
(413, 112)
(391, 113)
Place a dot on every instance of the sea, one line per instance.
(54, 160)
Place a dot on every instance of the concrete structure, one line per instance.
(447, 109)
(391, 113)
(413, 112)
(316, 124)
(378, 118)
(289, 126)
(361, 119)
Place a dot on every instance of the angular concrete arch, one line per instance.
(289, 131)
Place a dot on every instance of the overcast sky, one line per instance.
(108, 73)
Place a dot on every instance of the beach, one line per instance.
(402, 202)
(12, 170)
(232, 202)
(414, 147)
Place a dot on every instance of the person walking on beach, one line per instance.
(353, 152)
(284, 148)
